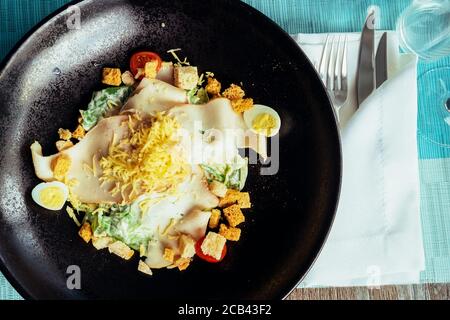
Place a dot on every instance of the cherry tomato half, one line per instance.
(139, 59)
(208, 258)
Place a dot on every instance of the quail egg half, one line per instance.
(263, 120)
(50, 195)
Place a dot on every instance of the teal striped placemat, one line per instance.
(311, 16)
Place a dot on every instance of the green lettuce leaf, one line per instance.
(233, 175)
(198, 96)
(121, 223)
(104, 103)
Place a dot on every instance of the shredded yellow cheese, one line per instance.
(87, 169)
(71, 214)
(175, 56)
(169, 226)
(146, 160)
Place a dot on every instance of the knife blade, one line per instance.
(365, 82)
(381, 61)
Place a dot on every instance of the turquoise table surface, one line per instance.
(311, 16)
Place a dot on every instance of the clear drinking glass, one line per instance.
(424, 29)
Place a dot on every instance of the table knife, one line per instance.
(365, 81)
(381, 61)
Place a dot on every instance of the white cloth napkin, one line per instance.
(376, 238)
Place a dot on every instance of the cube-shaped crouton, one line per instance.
(214, 219)
(234, 215)
(213, 87)
(128, 78)
(64, 134)
(100, 243)
(144, 268)
(213, 245)
(218, 188)
(234, 196)
(230, 233)
(185, 77)
(151, 69)
(112, 76)
(85, 232)
(63, 145)
(121, 249)
(61, 165)
(242, 105)
(169, 255)
(79, 133)
(244, 200)
(183, 263)
(231, 197)
(234, 92)
(187, 246)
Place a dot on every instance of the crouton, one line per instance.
(63, 145)
(150, 69)
(64, 134)
(79, 133)
(218, 188)
(213, 245)
(112, 76)
(242, 105)
(234, 92)
(182, 263)
(169, 255)
(121, 249)
(185, 77)
(230, 233)
(214, 219)
(144, 268)
(234, 215)
(100, 243)
(61, 165)
(187, 246)
(244, 200)
(234, 196)
(213, 87)
(85, 232)
(128, 78)
(231, 197)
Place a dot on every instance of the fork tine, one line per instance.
(324, 59)
(344, 66)
(339, 64)
(332, 65)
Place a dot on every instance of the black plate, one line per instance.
(292, 211)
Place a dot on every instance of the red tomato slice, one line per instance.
(139, 59)
(208, 258)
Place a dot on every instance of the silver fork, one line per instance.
(333, 70)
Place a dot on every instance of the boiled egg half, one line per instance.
(263, 120)
(50, 195)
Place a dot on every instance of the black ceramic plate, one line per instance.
(52, 74)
